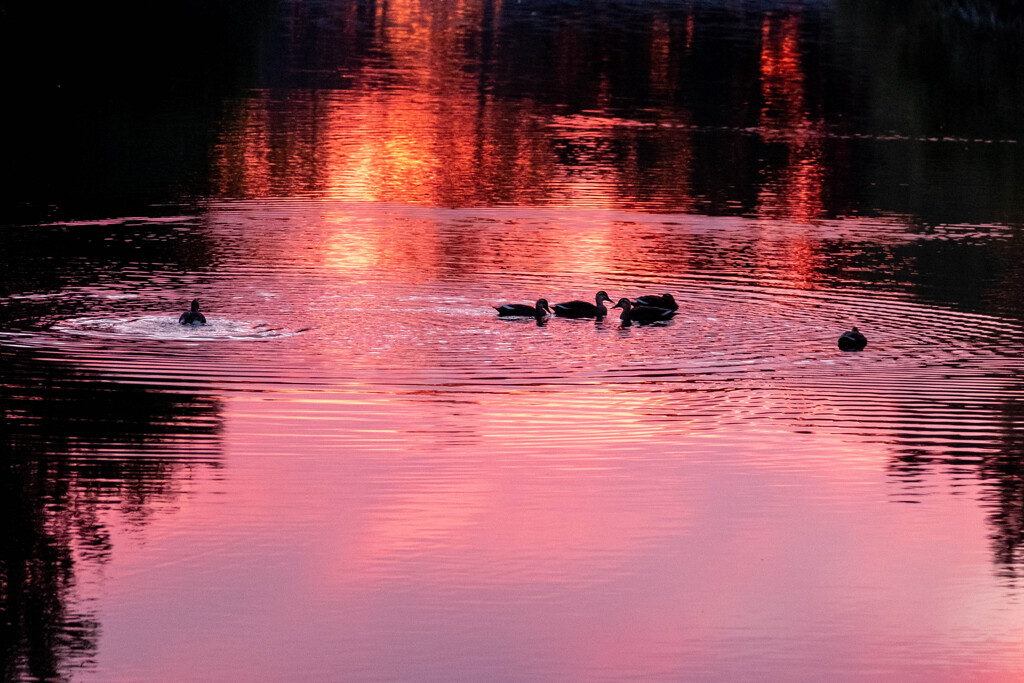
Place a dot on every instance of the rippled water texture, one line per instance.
(358, 471)
(383, 443)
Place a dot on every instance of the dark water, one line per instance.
(357, 471)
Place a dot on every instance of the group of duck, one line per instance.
(650, 308)
(643, 310)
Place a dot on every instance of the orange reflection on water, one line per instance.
(405, 147)
(420, 124)
(242, 168)
(415, 127)
(666, 57)
(662, 78)
(797, 192)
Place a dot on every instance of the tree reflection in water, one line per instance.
(1006, 498)
(67, 461)
(998, 463)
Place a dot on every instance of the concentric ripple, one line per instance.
(158, 327)
(362, 309)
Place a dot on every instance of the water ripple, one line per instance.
(161, 327)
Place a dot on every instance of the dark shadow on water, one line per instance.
(77, 447)
(112, 107)
(1003, 472)
(41, 261)
(999, 466)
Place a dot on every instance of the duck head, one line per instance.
(603, 296)
(542, 307)
(625, 304)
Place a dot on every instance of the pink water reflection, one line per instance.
(414, 489)
(409, 486)
(607, 561)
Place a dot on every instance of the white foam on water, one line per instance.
(164, 327)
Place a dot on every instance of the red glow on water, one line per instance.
(796, 192)
(417, 128)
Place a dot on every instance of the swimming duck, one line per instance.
(584, 309)
(641, 314)
(538, 311)
(664, 301)
(193, 317)
(852, 340)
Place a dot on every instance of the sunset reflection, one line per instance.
(421, 123)
(357, 468)
(796, 192)
(421, 119)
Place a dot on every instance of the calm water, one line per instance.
(357, 471)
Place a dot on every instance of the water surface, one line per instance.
(358, 471)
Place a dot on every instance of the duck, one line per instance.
(852, 340)
(192, 317)
(642, 314)
(665, 301)
(584, 309)
(538, 311)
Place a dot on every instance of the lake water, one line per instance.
(357, 471)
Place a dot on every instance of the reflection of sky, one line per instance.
(416, 490)
(413, 482)
(663, 560)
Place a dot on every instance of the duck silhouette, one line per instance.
(852, 340)
(584, 309)
(642, 314)
(666, 301)
(538, 311)
(192, 317)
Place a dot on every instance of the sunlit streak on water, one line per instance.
(400, 307)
